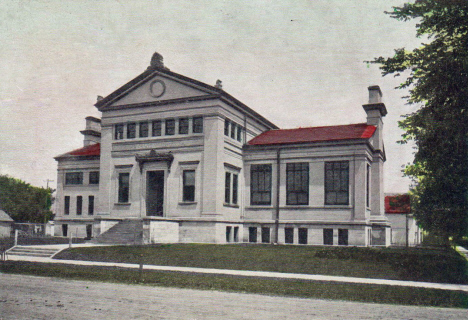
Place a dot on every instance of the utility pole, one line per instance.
(48, 180)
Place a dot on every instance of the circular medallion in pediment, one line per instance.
(157, 88)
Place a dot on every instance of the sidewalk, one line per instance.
(244, 273)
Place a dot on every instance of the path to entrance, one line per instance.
(245, 273)
(31, 297)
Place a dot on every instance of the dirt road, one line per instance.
(28, 297)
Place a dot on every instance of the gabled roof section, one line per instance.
(314, 134)
(86, 153)
(4, 217)
(398, 204)
(208, 92)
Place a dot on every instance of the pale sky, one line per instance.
(299, 63)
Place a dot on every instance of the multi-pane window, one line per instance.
(289, 235)
(328, 237)
(188, 192)
(124, 186)
(183, 125)
(226, 127)
(343, 237)
(231, 188)
(197, 125)
(73, 178)
(131, 130)
(79, 205)
(170, 127)
(337, 182)
(67, 205)
(260, 184)
(90, 205)
(368, 186)
(119, 131)
(143, 130)
(156, 128)
(227, 188)
(297, 183)
(94, 177)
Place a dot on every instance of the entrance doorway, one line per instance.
(154, 193)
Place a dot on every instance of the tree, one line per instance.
(23, 202)
(437, 80)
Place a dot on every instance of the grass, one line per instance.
(304, 289)
(415, 264)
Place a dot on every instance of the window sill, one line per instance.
(231, 205)
(123, 204)
(187, 203)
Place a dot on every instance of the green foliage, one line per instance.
(23, 202)
(437, 80)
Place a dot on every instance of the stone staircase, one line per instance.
(125, 232)
(32, 251)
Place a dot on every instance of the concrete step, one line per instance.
(32, 251)
(125, 232)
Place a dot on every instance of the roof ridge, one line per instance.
(339, 125)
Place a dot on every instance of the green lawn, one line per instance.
(304, 289)
(416, 264)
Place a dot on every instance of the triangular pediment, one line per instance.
(158, 88)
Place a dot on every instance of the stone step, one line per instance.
(29, 254)
(32, 252)
(125, 232)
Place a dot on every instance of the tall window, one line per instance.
(252, 234)
(131, 130)
(302, 235)
(260, 184)
(90, 205)
(67, 205)
(337, 182)
(231, 188)
(156, 128)
(170, 127)
(73, 178)
(233, 130)
(235, 182)
(297, 183)
(368, 185)
(119, 131)
(183, 125)
(94, 177)
(226, 127)
(289, 235)
(239, 133)
(124, 186)
(343, 237)
(79, 205)
(143, 129)
(265, 235)
(328, 237)
(189, 185)
(197, 125)
(227, 188)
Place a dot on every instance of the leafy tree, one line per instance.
(23, 202)
(437, 80)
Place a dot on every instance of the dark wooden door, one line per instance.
(154, 193)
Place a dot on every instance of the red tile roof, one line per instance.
(93, 150)
(398, 204)
(314, 134)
